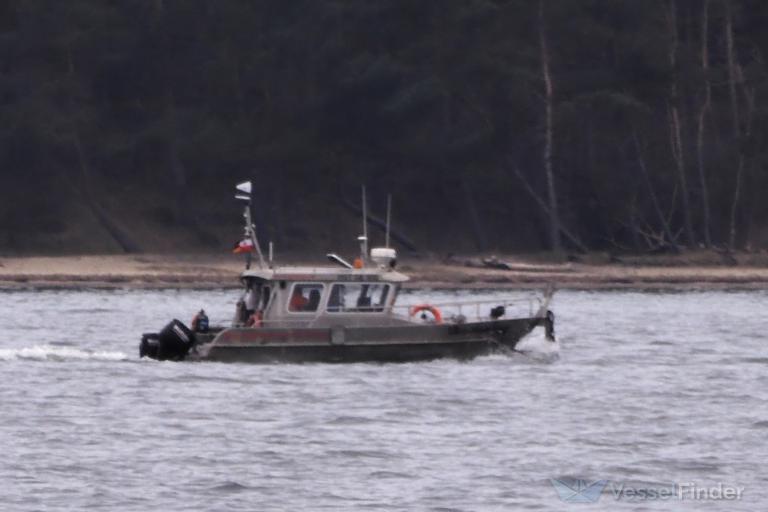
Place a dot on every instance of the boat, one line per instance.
(344, 312)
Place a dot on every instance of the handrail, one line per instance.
(464, 308)
(450, 309)
(525, 300)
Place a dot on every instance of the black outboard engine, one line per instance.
(173, 342)
(149, 345)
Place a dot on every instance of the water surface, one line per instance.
(645, 388)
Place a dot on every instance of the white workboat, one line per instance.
(345, 312)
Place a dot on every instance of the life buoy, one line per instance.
(427, 307)
(255, 320)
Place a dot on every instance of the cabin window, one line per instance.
(358, 297)
(305, 297)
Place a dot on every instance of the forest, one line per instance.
(630, 126)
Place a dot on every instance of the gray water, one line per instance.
(643, 389)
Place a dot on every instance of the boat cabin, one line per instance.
(318, 297)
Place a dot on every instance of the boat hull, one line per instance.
(365, 344)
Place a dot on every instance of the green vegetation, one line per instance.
(126, 123)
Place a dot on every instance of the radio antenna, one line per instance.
(389, 219)
(365, 227)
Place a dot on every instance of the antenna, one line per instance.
(389, 219)
(364, 240)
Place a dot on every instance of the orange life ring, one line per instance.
(427, 307)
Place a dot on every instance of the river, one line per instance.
(643, 390)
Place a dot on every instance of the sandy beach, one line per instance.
(221, 271)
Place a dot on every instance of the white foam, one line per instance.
(54, 353)
(537, 343)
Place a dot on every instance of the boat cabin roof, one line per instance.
(325, 274)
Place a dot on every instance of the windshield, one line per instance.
(358, 297)
(305, 297)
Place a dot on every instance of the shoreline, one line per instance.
(221, 272)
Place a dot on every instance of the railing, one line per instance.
(469, 310)
(451, 311)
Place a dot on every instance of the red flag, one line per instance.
(244, 245)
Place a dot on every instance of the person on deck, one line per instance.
(200, 322)
(250, 301)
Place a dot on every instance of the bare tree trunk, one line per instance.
(554, 216)
(481, 241)
(750, 100)
(633, 225)
(733, 78)
(189, 217)
(543, 205)
(178, 170)
(676, 139)
(652, 193)
(122, 239)
(732, 69)
(735, 204)
(704, 110)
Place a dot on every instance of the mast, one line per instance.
(364, 238)
(389, 219)
(244, 194)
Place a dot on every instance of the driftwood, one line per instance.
(496, 264)
(373, 220)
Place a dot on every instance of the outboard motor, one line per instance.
(172, 342)
(149, 345)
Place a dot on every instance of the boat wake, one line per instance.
(537, 346)
(51, 352)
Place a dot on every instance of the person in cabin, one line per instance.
(298, 302)
(314, 300)
(336, 300)
(364, 301)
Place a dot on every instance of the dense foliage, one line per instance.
(126, 122)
